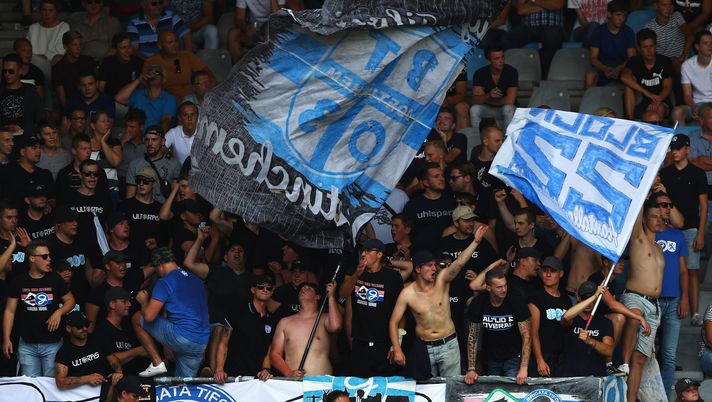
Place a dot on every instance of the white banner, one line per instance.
(590, 173)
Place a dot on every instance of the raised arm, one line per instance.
(451, 272)
(478, 284)
(199, 269)
(334, 321)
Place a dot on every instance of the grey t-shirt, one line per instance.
(130, 152)
(55, 163)
(168, 169)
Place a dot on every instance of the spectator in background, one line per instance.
(455, 143)
(132, 146)
(541, 21)
(696, 85)
(705, 352)
(455, 100)
(179, 65)
(46, 35)
(73, 123)
(202, 82)
(589, 15)
(649, 75)
(20, 105)
(34, 219)
(248, 33)
(96, 27)
(151, 98)
(167, 168)
(7, 143)
(66, 72)
(37, 326)
(494, 89)
(17, 178)
(696, 13)
(674, 37)
(143, 211)
(29, 73)
(53, 157)
(497, 27)
(198, 15)
(179, 139)
(89, 98)
(144, 28)
(611, 45)
(485, 183)
(186, 329)
(381, 222)
(68, 179)
(119, 69)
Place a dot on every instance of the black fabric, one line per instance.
(251, 337)
(581, 359)
(551, 309)
(501, 339)
(373, 299)
(37, 300)
(430, 218)
(684, 188)
(83, 360)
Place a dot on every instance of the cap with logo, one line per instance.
(131, 385)
(77, 319)
(526, 252)
(679, 141)
(147, 172)
(683, 384)
(463, 212)
(37, 191)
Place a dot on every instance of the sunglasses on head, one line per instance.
(42, 256)
(90, 174)
(265, 287)
(142, 180)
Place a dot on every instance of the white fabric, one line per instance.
(47, 41)
(259, 9)
(590, 173)
(381, 222)
(181, 143)
(700, 78)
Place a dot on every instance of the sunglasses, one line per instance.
(42, 256)
(144, 181)
(265, 287)
(81, 326)
(90, 174)
(8, 71)
(665, 204)
(176, 63)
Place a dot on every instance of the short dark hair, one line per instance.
(466, 169)
(87, 73)
(648, 205)
(196, 74)
(18, 41)
(70, 36)
(654, 197)
(487, 122)
(34, 245)
(423, 174)
(76, 109)
(95, 114)
(616, 6)
(118, 38)
(45, 123)
(79, 138)
(645, 34)
(55, 3)
(406, 220)
(531, 217)
(88, 162)
(12, 57)
(186, 104)
(496, 273)
(6, 204)
(700, 34)
(137, 115)
(334, 395)
(491, 49)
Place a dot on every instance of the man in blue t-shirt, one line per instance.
(612, 45)
(673, 301)
(186, 329)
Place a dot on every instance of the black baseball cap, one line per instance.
(260, 279)
(683, 384)
(679, 141)
(116, 293)
(373, 244)
(77, 319)
(64, 213)
(422, 257)
(526, 252)
(114, 256)
(155, 130)
(587, 289)
(27, 140)
(115, 218)
(553, 262)
(37, 191)
(189, 205)
(131, 385)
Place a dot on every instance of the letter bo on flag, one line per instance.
(590, 173)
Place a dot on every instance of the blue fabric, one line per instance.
(507, 368)
(146, 37)
(186, 302)
(669, 334)
(672, 242)
(188, 353)
(164, 105)
(37, 359)
(613, 48)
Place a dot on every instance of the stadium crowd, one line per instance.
(111, 265)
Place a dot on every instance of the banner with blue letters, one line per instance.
(313, 129)
(591, 174)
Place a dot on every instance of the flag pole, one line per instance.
(316, 323)
(600, 297)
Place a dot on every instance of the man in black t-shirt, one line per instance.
(494, 90)
(455, 99)
(243, 347)
(373, 291)
(648, 75)
(66, 72)
(500, 327)
(9, 231)
(119, 239)
(16, 179)
(69, 177)
(80, 360)
(485, 183)
(20, 104)
(455, 143)
(585, 352)
(524, 223)
(38, 224)
(547, 305)
(142, 211)
(34, 299)
(522, 280)
(430, 211)
(120, 69)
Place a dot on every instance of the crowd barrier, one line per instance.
(378, 389)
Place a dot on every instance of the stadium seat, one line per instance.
(554, 97)
(572, 45)
(532, 45)
(225, 22)
(569, 67)
(527, 63)
(597, 97)
(475, 62)
(638, 18)
(218, 61)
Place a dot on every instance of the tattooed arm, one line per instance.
(525, 332)
(64, 381)
(473, 338)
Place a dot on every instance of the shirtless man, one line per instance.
(643, 287)
(428, 298)
(292, 335)
(585, 261)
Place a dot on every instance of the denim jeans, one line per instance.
(445, 359)
(188, 353)
(37, 359)
(706, 360)
(206, 37)
(669, 330)
(507, 368)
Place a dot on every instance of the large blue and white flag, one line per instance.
(312, 130)
(374, 389)
(591, 174)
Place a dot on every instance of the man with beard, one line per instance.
(7, 143)
(430, 211)
(179, 139)
(88, 203)
(34, 220)
(167, 168)
(17, 178)
(53, 157)
(455, 143)
(428, 298)
(492, 139)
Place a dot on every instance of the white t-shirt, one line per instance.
(180, 143)
(700, 78)
(47, 41)
(259, 9)
(381, 222)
